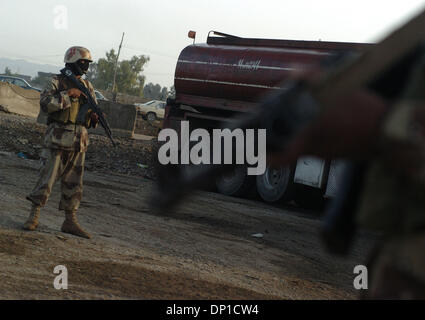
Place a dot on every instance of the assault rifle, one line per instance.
(91, 104)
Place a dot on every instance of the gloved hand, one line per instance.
(75, 93)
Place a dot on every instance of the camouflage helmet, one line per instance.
(75, 53)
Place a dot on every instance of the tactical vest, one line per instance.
(68, 115)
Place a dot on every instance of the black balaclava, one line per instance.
(78, 68)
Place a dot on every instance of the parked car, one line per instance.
(18, 82)
(99, 96)
(151, 110)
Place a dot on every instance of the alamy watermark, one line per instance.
(60, 21)
(361, 280)
(222, 147)
(60, 281)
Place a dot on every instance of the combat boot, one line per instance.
(70, 225)
(32, 221)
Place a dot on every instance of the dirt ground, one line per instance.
(202, 250)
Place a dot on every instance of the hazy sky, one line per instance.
(158, 28)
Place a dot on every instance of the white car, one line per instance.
(151, 110)
(99, 96)
(18, 82)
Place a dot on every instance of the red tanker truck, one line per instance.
(226, 76)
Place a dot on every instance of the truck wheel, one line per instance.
(151, 116)
(235, 183)
(275, 184)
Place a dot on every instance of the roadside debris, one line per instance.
(22, 155)
(257, 235)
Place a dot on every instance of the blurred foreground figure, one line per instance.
(65, 142)
(389, 136)
(368, 110)
(394, 196)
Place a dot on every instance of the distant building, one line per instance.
(45, 74)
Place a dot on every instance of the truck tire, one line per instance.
(236, 183)
(275, 185)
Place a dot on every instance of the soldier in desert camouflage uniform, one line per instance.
(65, 142)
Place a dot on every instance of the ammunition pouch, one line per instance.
(63, 116)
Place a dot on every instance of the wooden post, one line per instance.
(114, 90)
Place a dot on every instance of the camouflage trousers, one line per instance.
(68, 166)
(397, 269)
